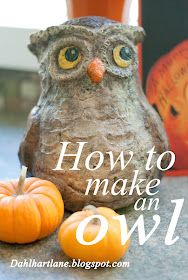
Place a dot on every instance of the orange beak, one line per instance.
(96, 70)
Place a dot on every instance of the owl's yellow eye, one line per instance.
(122, 56)
(69, 57)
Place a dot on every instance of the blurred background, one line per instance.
(19, 81)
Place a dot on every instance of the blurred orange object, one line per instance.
(167, 91)
(108, 8)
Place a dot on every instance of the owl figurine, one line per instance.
(91, 93)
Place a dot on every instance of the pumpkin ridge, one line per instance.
(13, 227)
(9, 187)
(2, 195)
(54, 202)
(64, 231)
(39, 215)
(77, 219)
(5, 206)
(5, 191)
(106, 239)
(40, 183)
(38, 200)
(72, 224)
(111, 232)
(13, 221)
(115, 230)
(14, 184)
(31, 215)
(31, 184)
(28, 182)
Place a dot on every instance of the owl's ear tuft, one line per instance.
(38, 43)
(137, 34)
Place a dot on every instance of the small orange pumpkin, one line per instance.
(107, 249)
(30, 209)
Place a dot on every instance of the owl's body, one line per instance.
(90, 93)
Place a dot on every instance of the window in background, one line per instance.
(19, 83)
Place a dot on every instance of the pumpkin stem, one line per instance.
(21, 180)
(95, 212)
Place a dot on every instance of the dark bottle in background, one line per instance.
(166, 25)
(165, 71)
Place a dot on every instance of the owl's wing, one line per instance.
(30, 140)
(154, 124)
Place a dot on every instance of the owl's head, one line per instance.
(89, 48)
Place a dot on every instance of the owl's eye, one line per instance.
(69, 57)
(122, 56)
